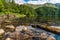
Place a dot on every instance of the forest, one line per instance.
(31, 13)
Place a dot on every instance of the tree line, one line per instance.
(39, 14)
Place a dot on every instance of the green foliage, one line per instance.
(47, 13)
(28, 11)
(40, 13)
(1, 6)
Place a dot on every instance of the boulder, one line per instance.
(12, 35)
(28, 32)
(25, 28)
(50, 38)
(8, 39)
(7, 34)
(20, 28)
(26, 36)
(7, 21)
(43, 35)
(10, 27)
(2, 31)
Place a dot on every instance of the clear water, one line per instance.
(37, 30)
(57, 36)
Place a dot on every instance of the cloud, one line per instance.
(36, 1)
(57, 1)
(20, 1)
(52, 1)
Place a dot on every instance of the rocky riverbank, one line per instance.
(25, 33)
(11, 31)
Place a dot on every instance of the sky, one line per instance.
(36, 1)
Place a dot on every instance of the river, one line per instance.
(57, 36)
(37, 30)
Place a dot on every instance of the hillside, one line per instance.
(39, 5)
(57, 5)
